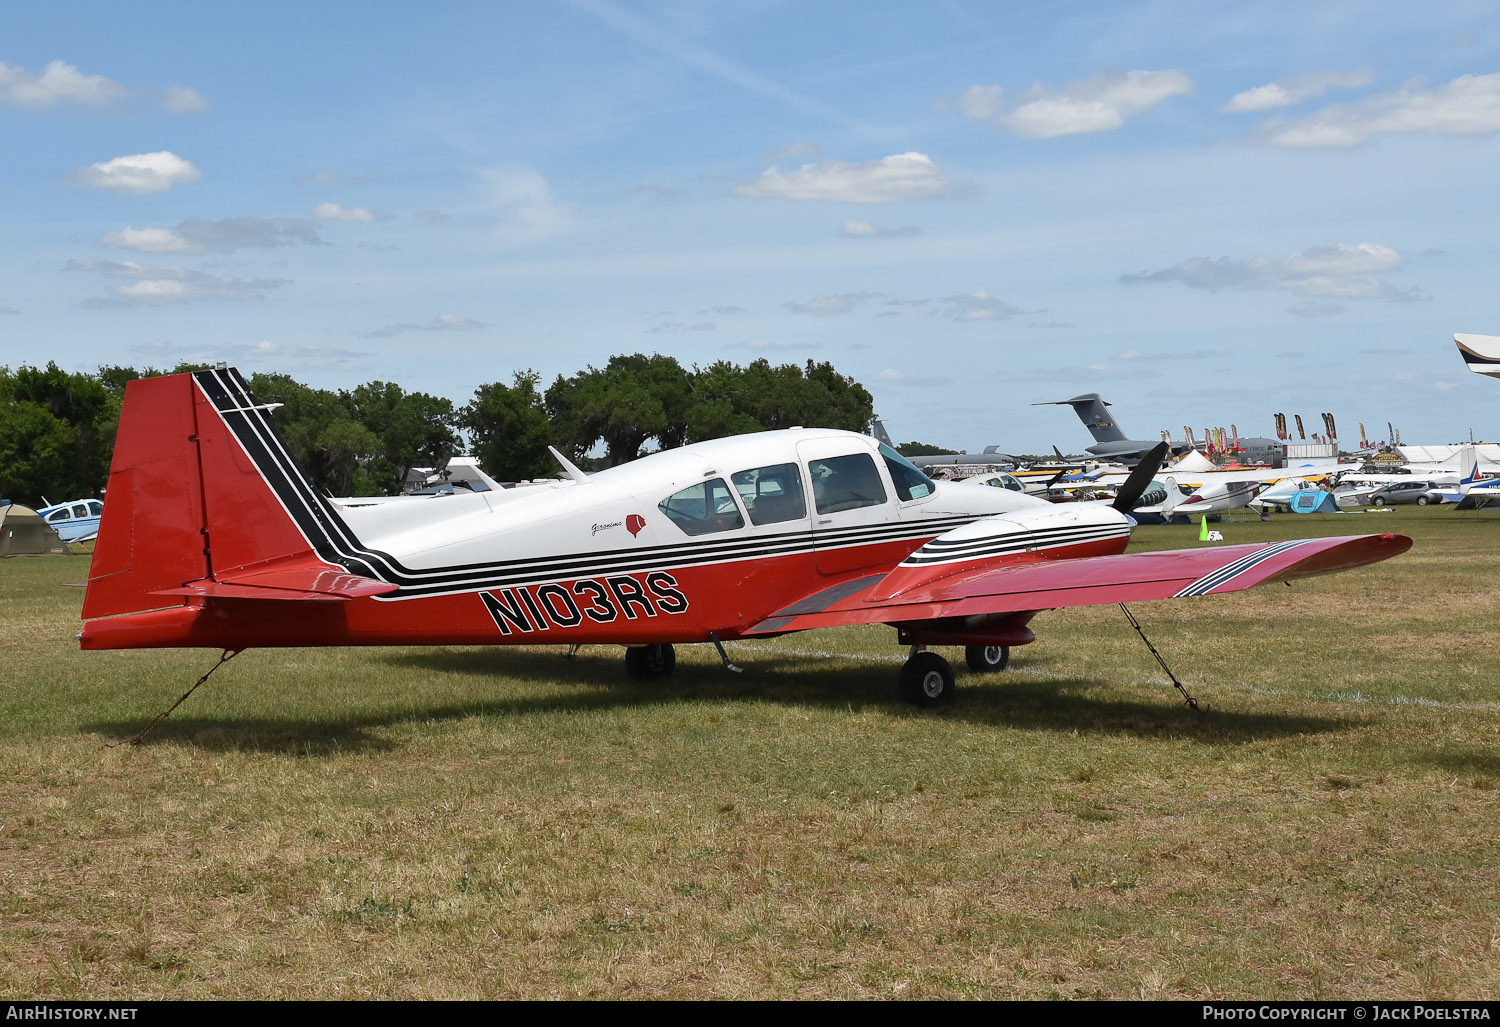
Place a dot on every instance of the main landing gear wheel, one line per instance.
(927, 680)
(648, 662)
(985, 659)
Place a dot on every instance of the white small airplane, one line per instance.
(1279, 496)
(1476, 495)
(1480, 352)
(1218, 498)
(213, 537)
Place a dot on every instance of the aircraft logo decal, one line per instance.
(634, 523)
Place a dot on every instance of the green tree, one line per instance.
(630, 401)
(324, 434)
(509, 428)
(923, 449)
(85, 413)
(730, 400)
(413, 429)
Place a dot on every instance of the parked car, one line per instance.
(1402, 492)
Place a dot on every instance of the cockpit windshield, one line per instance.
(909, 481)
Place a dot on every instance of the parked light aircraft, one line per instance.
(214, 537)
(1279, 496)
(77, 520)
(1480, 352)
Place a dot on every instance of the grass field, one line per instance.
(472, 823)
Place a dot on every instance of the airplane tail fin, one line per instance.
(1093, 411)
(203, 500)
(1174, 497)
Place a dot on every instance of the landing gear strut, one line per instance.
(926, 680)
(649, 662)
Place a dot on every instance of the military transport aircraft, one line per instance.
(214, 537)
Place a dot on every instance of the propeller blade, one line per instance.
(1140, 478)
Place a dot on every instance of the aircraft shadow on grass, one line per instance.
(1005, 700)
(593, 682)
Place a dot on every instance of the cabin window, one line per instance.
(910, 483)
(703, 508)
(59, 515)
(80, 510)
(772, 494)
(95, 508)
(845, 483)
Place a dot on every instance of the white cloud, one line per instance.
(1100, 103)
(1294, 90)
(898, 178)
(138, 173)
(856, 229)
(831, 305)
(161, 285)
(223, 236)
(148, 240)
(1469, 105)
(258, 354)
(441, 323)
(1341, 271)
(58, 83)
(527, 209)
(333, 212)
(977, 306)
(182, 100)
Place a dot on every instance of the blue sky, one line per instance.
(1206, 212)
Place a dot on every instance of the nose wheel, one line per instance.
(926, 680)
(986, 659)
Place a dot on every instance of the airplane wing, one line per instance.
(914, 593)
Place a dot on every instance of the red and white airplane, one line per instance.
(212, 536)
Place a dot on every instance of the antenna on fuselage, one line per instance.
(567, 465)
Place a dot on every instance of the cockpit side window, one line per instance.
(703, 508)
(845, 483)
(910, 483)
(772, 494)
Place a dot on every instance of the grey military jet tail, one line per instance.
(1090, 408)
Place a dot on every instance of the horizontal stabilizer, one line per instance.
(299, 581)
(1089, 581)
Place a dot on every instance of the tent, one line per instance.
(1194, 461)
(1313, 501)
(24, 533)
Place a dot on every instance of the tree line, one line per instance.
(57, 428)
